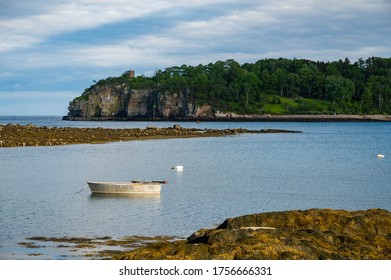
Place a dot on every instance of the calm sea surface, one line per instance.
(329, 165)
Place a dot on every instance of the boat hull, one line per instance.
(125, 187)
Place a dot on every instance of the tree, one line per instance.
(266, 81)
(308, 75)
(292, 89)
(339, 90)
(379, 88)
(199, 87)
(281, 80)
(246, 86)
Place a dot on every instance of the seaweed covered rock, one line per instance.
(372, 221)
(16, 135)
(310, 234)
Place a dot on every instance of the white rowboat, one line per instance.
(132, 187)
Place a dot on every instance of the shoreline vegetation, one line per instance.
(314, 234)
(16, 135)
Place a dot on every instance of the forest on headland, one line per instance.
(275, 86)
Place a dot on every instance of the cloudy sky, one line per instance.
(51, 50)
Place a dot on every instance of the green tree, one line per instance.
(379, 88)
(281, 80)
(308, 78)
(292, 89)
(339, 90)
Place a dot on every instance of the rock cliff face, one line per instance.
(121, 102)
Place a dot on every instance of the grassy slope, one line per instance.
(296, 106)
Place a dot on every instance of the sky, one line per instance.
(51, 50)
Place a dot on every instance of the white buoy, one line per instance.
(178, 167)
(380, 156)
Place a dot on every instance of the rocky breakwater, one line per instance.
(311, 234)
(15, 135)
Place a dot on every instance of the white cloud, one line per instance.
(233, 24)
(290, 28)
(69, 16)
(26, 31)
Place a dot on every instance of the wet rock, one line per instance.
(311, 234)
(15, 135)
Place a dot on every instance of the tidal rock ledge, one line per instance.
(16, 135)
(313, 234)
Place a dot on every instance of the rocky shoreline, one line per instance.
(16, 135)
(314, 234)
(230, 117)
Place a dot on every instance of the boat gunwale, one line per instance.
(129, 183)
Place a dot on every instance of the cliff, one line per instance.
(117, 102)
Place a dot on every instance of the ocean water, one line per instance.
(329, 165)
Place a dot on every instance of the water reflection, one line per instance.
(125, 196)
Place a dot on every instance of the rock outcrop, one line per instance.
(122, 102)
(311, 234)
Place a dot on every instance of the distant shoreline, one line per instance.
(229, 117)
